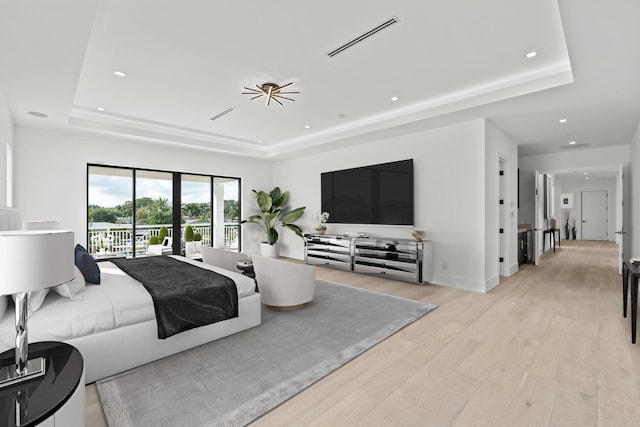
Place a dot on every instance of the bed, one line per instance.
(114, 324)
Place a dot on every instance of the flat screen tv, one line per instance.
(376, 194)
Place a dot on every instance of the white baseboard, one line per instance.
(492, 283)
(459, 282)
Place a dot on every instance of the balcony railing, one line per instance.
(119, 240)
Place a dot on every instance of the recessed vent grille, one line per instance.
(571, 147)
(366, 35)
(217, 116)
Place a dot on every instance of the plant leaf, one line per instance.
(275, 194)
(295, 229)
(292, 216)
(264, 201)
(272, 236)
(283, 199)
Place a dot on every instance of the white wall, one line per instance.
(633, 182)
(449, 189)
(51, 173)
(6, 139)
(500, 146)
(576, 187)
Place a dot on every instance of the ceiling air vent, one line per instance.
(217, 116)
(366, 35)
(571, 147)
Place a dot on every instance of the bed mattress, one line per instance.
(119, 301)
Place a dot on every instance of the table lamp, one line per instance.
(31, 261)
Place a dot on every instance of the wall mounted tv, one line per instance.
(376, 194)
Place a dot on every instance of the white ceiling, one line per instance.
(446, 61)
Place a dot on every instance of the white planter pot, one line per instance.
(270, 251)
(190, 247)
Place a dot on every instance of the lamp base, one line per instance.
(9, 375)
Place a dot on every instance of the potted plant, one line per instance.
(164, 232)
(274, 215)
(320, 221)
(189, 246)
(197, 241)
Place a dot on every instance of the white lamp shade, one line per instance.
(35, 260)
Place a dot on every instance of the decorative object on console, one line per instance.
(574, 230)
(321, 219)
(31, 261)
(274, 215)
(417, 234)
(271, 91)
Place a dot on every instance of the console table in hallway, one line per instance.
(633, 270)
(552, 232)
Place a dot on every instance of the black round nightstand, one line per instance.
(246, 267)
(56, 397)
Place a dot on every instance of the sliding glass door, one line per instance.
(196, 206)
(126, 207)
(226, 203)
(154, 206)
(109, 211)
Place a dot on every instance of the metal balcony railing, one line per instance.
(119, 240)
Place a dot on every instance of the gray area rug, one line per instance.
(237, 379)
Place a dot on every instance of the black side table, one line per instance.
(246, 267)
(54, 398)
(630, 270)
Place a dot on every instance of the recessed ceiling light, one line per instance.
(585, 173)
(531, 54)
(307, 126)
(572, 142)
(259, 142)
(395, 98)
(586, 177)
(38, 114)
(100, 109)
(563, 120)
(119, 73)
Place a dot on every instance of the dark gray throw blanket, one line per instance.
(184, 296)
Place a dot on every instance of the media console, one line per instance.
(405, 259)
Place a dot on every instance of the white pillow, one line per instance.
(34, 300)
(73, 289)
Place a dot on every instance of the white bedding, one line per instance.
(119, 301)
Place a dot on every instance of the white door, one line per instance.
(619, 217)
(595, 215)
(538, 226)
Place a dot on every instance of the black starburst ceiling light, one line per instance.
(271, 90)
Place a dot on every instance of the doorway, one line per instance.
(595, 215)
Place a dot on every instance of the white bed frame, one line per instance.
(117, 350)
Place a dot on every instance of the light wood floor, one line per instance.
(547, 347)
